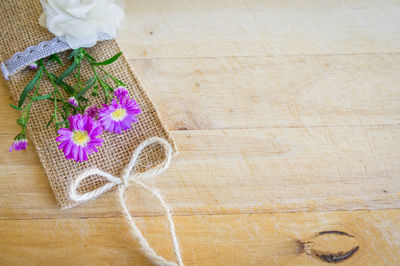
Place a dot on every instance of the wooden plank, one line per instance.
(8, 116)
(264, 92)
(208, 28)
(257, 239)
(239, 171)
(302, 131)
(210, 93)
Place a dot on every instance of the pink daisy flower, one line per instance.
(80, 139)
(120, 114)
(73, 101)
(20, 143)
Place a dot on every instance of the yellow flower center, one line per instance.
(118, 114)
(80, 137)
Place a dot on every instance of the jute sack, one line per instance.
(19, 30)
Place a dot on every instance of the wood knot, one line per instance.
(330, 246)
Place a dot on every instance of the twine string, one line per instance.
(129, 175)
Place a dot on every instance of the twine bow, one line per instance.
(129, 175)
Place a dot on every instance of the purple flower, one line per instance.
(33, 66)
(80, 139)
(92, 111)
(73, 101)
(120, 114)
(121, 93)
(20, 143)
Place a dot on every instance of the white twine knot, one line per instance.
(129, 175)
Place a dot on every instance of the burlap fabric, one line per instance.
(19, 30)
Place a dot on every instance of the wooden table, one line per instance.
(287, 117)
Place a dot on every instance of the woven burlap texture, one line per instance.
(19, 30)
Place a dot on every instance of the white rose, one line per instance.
(79, 22)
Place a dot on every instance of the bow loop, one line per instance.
(76, 196)
(127, 174)
(130, 174)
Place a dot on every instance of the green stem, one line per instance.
(55, 110)
(55, 92)
(78, 86)
(27, 109)
(117, 81)
(102, 84)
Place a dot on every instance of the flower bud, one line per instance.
(73, 101)
(33, 66)
(21, 121)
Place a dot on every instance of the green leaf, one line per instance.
(95, 91)
(105, 86)
(66, 110)
(79, 56)
(52, 99)
(54, 57)
(85, 89)
(67, 88)
(117, 81)
(30, 86)
(88, 81)
(108, 61)
(42, 97)
(63, 115)
(60, 123)
(52, 76)
(73, 53)
(68, 71)
(16, 107)
(90, 57)
(50, 121)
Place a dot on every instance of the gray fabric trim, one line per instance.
(22, 59)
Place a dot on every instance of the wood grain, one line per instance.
(245, 239)
(284, 91)
(226, 28)
(287, 117)
(241, 171)
(242, 93)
